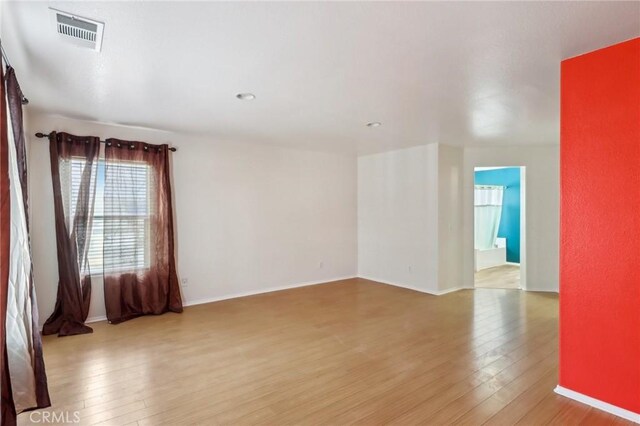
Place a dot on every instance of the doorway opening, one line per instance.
(499, 227)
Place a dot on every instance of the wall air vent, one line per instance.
(80, 31)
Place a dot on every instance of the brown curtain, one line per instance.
(34, 369)
(74, 210)
(140, 271)
(7, 407)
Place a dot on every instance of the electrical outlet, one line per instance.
(410, 269)
(185, 282)
(321, 265)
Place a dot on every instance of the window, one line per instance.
(120, 235)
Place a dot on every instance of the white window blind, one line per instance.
(120, 235)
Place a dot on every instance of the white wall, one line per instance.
(249, 218)
(450, 225)
(415, 215)
(398, 217)
(542, 209)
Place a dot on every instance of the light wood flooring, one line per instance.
(351, 351)
(504, 276)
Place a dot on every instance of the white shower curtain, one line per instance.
(488, 209)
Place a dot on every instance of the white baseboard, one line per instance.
(541, 290)
(97, 318)
(600, 405)
(409, 287)
(449, 290)
(262, 291)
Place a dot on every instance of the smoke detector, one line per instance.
(77, 30)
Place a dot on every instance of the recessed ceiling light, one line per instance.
(374, 124)
(246, 96)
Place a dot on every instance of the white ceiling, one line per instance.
(456, 73)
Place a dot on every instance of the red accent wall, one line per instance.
(600, 225)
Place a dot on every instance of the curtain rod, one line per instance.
(46, 135)
(490, 186)
(8, 64)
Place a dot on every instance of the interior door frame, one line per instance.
(523, 222)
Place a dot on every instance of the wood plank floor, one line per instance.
(504, 276)
(351, 351)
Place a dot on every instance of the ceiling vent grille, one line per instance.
(80, 31)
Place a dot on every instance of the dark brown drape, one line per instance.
(7, 407)
(73, 217)
(14, 97)
(138, 229)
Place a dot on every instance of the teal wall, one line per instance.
(510, 219)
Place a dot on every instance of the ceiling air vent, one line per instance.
(80, 31)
